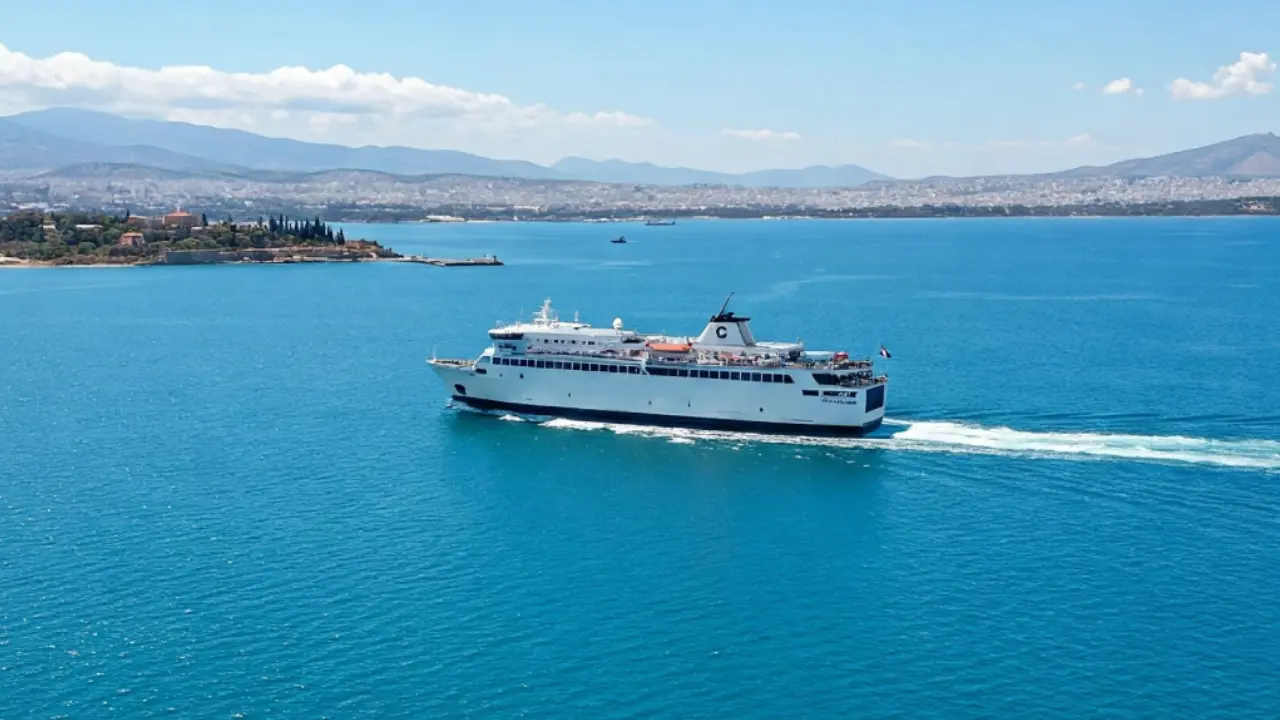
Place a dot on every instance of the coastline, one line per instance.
(37, 264)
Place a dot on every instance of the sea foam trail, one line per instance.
(961, 438)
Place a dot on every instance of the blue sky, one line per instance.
(905, 88)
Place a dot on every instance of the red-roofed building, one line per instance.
(181, 218)
(132, 239)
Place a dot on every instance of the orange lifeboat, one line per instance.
(670, 347)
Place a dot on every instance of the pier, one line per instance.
(487, 260)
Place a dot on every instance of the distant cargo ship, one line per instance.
(660, 222)
(722, 379)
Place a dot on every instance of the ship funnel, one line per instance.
(727, 329)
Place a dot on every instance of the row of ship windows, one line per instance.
(635, 370)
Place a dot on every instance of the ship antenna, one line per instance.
(725, 306)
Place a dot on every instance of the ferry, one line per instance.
(723, 379)
(660, 223)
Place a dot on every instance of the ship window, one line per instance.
(613, 369)
(595, 367)
(787, 379)
(634, 370)
(541, 363)
(810, 393)
(481, 371)
(733, 376)
(683, 373)
(767, 377)
(577, 366)
(755, 377)
(723, 374)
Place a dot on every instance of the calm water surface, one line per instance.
(238, 491)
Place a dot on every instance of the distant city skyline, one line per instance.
(908, 90)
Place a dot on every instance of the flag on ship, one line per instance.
(884, 352)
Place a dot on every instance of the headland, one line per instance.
(42, 239)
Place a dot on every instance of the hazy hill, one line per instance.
(23, 148)
(236, 147)
(620, 171)
(1248, 156)
(51, 139)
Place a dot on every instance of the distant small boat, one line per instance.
(660, 222)
(621, 240)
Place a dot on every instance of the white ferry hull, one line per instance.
(800, 407)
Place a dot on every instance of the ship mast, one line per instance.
(725, 306)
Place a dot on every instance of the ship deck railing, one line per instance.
(774, 363)
(452, 362)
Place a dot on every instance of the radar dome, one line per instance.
(617, 323)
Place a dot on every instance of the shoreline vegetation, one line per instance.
(44, 239)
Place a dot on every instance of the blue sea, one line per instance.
(238, 492)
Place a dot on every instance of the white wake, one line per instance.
(953, 437)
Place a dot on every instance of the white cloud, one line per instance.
(1078, 86)
(762, 135)
(909, 144)
(997, 145)
(1243, 76)
(74, 79)
(1077, 141)
(1121, 86)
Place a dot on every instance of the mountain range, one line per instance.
(50, 139)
